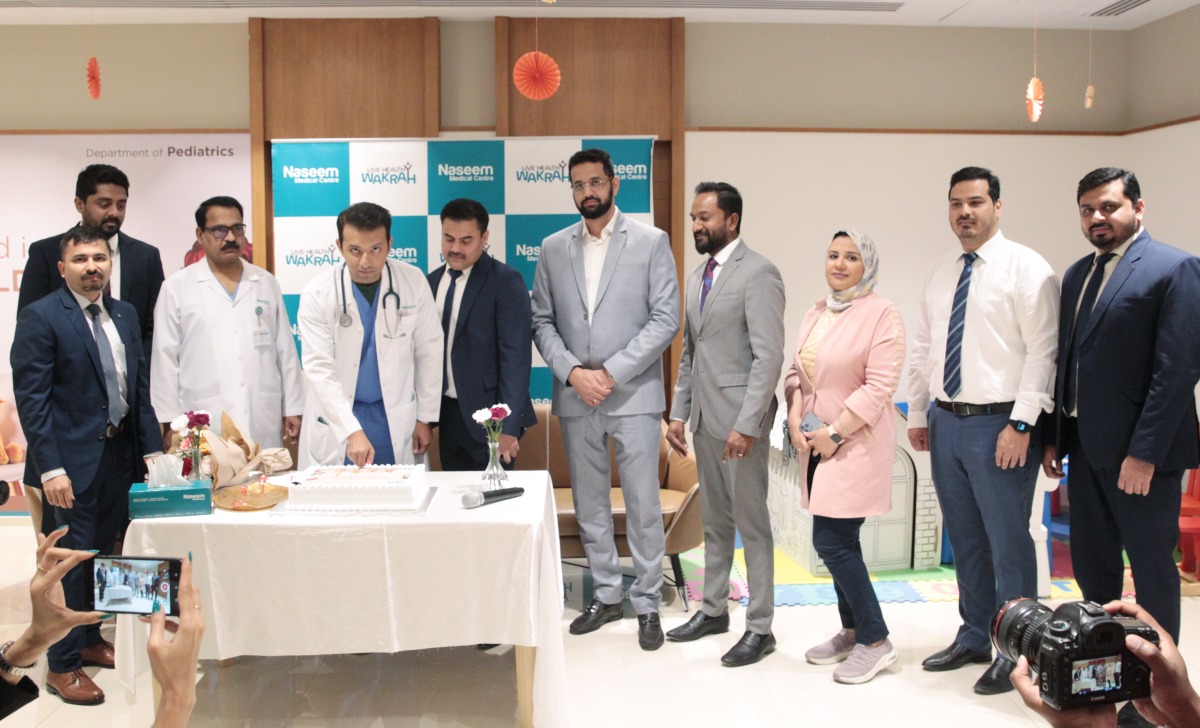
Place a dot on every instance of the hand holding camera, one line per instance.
(1081, 639)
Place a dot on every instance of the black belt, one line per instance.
(114, 430)
(962, 409)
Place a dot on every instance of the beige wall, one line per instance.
(1165, 69)
(153, 77)
(195, 76)
(856, 77)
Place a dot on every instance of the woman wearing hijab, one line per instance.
(848, 361)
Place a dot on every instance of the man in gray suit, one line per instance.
(605, 307)
(732, 356)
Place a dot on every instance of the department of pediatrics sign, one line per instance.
(524, 184)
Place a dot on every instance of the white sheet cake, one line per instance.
(372, 488)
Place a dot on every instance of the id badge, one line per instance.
(262, 338)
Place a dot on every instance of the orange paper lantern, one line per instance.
(93, 77)
(1035, 99)
(536, 76)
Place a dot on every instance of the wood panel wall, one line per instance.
(620, 76)
(335, 78)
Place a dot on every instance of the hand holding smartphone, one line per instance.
(133, 584)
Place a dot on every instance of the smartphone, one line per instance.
(133, 584)
(811, 423)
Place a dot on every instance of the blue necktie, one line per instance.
(115, 413)
(1086, 304)
(446, 311)
(708, 281)
(952, 373)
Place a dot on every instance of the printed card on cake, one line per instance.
(371, 489)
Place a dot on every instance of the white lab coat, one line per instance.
(409, 346)
(236, 356)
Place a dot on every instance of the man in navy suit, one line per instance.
(486, 320)
(1125, 409)
(82, 393)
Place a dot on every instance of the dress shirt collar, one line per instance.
(991, 247)
(1119, 251)
(114, 245)
(84, 302)
(724, 254)
(605, 234)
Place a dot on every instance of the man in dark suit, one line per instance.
(101, 193)
(486, 319)
(82, 393)
(1125, 411)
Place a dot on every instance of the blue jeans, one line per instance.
(986, 513)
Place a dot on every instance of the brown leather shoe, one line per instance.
(74, 687)
(101, 654)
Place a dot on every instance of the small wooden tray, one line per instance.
(249, 497)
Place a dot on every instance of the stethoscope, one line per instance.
(346, 319)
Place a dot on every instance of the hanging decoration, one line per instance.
(1089, 96)
(93, 78)
(1035, 93)
(535, 74)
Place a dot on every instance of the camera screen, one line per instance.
(1100, 675)
(132, 586)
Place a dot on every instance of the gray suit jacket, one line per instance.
(733, 353)
(636, 316)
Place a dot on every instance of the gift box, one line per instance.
(193, 499)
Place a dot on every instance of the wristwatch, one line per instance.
(11, 669)
(1021, 427)
(833, 435)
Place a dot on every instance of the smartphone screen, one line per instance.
(133, 584)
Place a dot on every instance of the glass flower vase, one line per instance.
(494, 475)
(197, 474)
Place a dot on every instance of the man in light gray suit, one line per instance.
(605, 307)
(730, 365)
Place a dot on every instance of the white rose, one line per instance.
(179, 424)
(482, 416)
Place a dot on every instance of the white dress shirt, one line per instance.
(594, 251)
(114, 278)
(118, 351)
(441, 306)
(1010, 337)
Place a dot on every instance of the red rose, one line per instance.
(187, 467)
(499, 412)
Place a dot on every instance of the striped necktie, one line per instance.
(952, 374)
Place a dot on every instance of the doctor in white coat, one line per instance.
(372, 397)
(226, 343)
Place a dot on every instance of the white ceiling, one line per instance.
(1073, 14)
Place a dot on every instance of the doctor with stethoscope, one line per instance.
(371, 346)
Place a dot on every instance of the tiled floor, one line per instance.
(612, 682)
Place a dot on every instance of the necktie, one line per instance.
(1086, 304)
(708, 281)
(115, 413)
(446, 311)
(952, 373)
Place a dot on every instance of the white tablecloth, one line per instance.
(276, 584)
(116, 593)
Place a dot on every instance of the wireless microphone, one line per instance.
(475, 499)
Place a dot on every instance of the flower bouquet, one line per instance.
(492, 418)
(188, 427)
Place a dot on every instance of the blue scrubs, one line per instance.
(368, 394)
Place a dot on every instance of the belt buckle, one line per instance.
(961, 409)
(112, 430)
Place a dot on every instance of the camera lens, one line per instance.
(1017, 625)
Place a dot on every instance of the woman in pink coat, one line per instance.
(848, 361)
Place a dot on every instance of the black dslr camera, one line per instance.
(1077, 651)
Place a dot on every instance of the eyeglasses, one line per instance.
(221, 231)
(595, 183)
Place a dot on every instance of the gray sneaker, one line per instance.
(865, 663)
(835, 650)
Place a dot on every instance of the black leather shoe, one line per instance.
(1129, 717)
(750, 649)
(699, 625)
(650, 634)
(954, 657)
(995, 679)
(594, 616)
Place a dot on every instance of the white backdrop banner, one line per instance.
(169, 176)
(523, 183)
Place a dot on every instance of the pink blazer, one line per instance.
(858, 366)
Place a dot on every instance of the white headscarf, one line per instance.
(840, 300)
